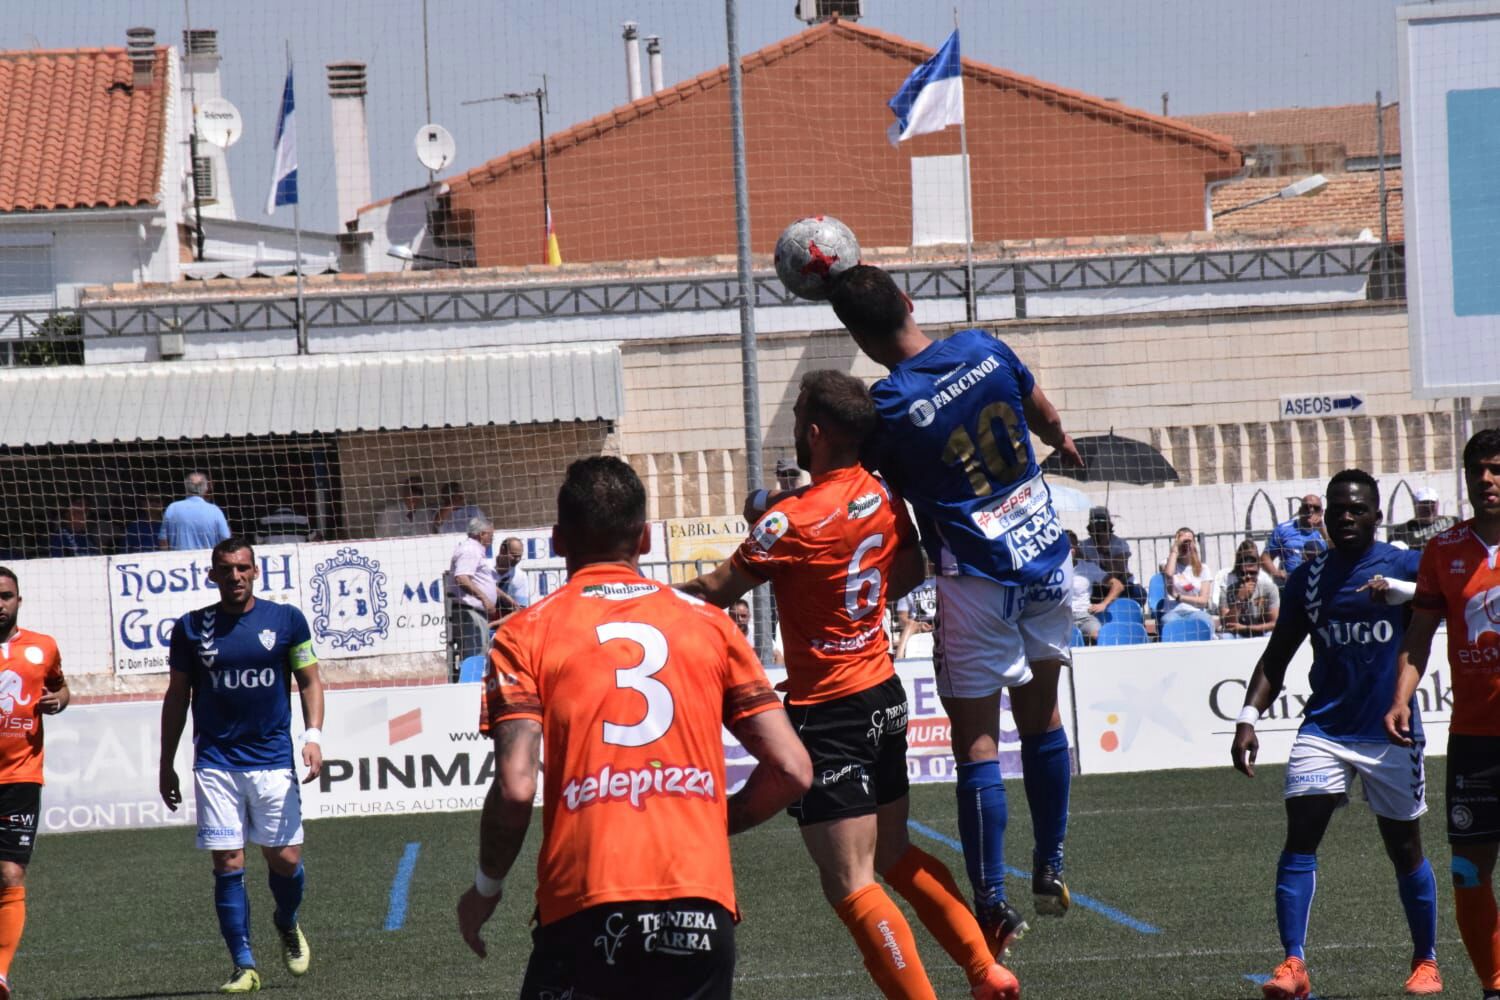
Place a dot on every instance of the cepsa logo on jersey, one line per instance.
(863, 506)
(770, 529)
(636, 785)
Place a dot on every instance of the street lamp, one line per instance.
(1296, 189)
(521, 97)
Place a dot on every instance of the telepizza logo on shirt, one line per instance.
(636, 785)
(924, 411)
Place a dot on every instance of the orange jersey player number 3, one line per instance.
(631, 682)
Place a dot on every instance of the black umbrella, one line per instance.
(1112, 458)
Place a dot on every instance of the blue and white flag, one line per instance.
(932, 98)
(284, 172)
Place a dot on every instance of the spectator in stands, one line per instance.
(739, 613)
(1189, 583)
(73, 536)
(408, 514)
(472, 588)
(915, 613)
(194, 522)
(788, 475)
(1110, 551)
(1248, 600)
(141, 534)
(1093, 591)
(513, 587)
(454, 511)
(1292, 541)
(1427, 522)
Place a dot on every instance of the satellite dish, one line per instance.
(435, 147)
(219, 122)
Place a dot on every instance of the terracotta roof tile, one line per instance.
(1350, 203)
(1349, 125)
(77, 133)
(1071, 100)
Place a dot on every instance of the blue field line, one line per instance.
(1260, 980)
(395, 915)
(1087, 902)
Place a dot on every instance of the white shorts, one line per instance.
(987, 635)
(266, 804)
(1393, 777)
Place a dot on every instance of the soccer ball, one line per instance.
(811, 252)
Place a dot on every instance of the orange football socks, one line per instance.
(925, 883)
(885, 940)
(1478, 925)
(12, 919)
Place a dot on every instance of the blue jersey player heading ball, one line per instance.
(233, 663)
(1348, 602)
(954, 440)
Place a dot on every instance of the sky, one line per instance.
(1209, 55)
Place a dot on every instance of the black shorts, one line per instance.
(20, 806)
(676, 949)
(1473, 789)
(858, 748)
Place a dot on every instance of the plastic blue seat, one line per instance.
(1123, 609)
(1186, 630)
(1117, 633)
(472, 668)
(1156, 594)
(1077, 639)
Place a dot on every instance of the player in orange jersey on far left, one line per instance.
(31, 686)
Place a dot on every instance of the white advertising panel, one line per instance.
(69, 600)
(149, 592)
(375, 598)
(1173, 705)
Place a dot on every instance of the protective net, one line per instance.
(1240, 249)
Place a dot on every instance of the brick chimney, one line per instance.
(351, 138)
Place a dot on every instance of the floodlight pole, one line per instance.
(749, 358)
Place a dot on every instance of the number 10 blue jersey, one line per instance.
(953, 441)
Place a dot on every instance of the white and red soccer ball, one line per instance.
(811, 252)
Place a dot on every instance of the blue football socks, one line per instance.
(1047, 771)
(981, 827)
(1419, 899)
(1296, 882)
(234, 916)
(287, 891)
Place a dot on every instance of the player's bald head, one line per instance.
(601, 510)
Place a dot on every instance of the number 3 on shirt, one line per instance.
(659, 706)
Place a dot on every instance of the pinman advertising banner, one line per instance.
(149, 592)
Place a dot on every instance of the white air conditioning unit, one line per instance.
(814, 11)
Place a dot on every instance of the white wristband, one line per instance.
(1249, 716)
(1399, 591)
(312, 736)
(487, 887)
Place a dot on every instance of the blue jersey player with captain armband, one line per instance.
(233, 662)
(1347, 601)
(954, 440)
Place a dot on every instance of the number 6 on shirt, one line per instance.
(659, 706)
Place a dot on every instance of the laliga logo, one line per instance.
(1482, 614)
(10, 691)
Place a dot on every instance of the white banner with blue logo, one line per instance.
(149, 592)
(375, 598)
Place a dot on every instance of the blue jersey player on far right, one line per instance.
(1347, 601)
(954, 440)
